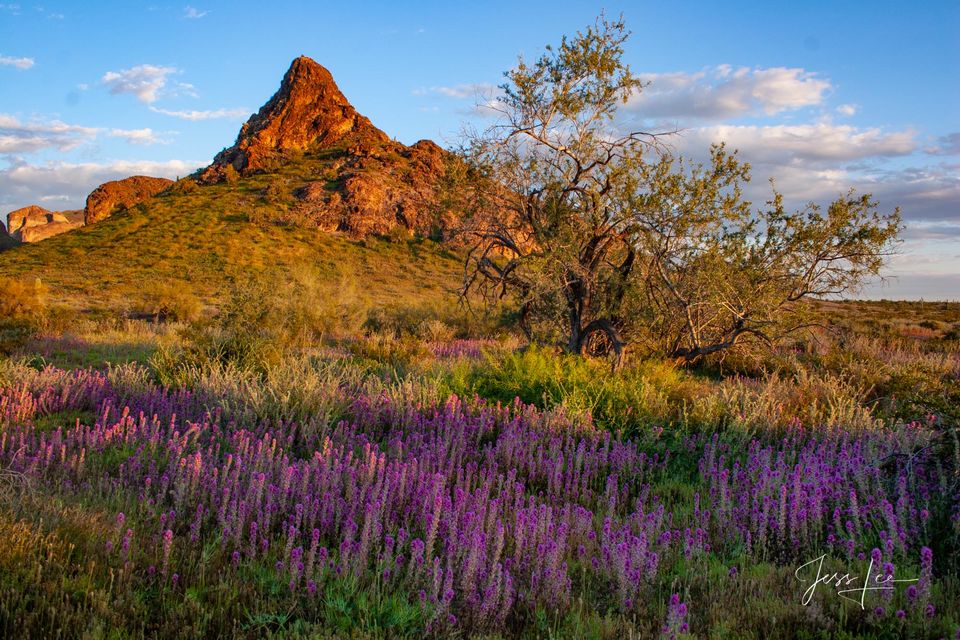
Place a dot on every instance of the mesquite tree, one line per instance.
(604, 239)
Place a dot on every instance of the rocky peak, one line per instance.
(370, 185)
(308, 110)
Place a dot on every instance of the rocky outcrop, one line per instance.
(33, 223)
(377, 190)
(308, 110)
(374, 184)
(117, 195)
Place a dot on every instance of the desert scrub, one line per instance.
(170, 302)
(23, 311)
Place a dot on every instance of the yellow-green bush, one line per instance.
(19, 299)
(169, 302)
(23, 311)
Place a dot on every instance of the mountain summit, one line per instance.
(369, 184)
(308, 110)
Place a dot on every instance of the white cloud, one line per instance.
(460, 91)
(144, 136)
(723, 92)
(848, 109)
(926, 195)
(791, 144)
(19, 63)
(18, 137)
(939, 230)
(215, 114)
(193, 13)
(486, 98)
(28, 137)
(70, 183)
(144, 81)
(184, 88)
(819, 162)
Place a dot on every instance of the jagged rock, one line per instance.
(117, 195)
(307, 110)
(373, 184)
(33, 223)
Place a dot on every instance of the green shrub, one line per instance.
(230, 175)
(183, 186)
(435, 331)
(265, 319)
(399, 234)
(275, 191)
(170, 302)
(19, 300)
(23, 312)
(242, 334)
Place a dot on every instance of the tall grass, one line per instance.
(629, 503)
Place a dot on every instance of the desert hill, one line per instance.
(371, 185)
(305, 166)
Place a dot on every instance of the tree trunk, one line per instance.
(602, 339)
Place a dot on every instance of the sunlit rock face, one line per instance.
(374, 184)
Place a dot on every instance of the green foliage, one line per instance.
(21, 300)
(245, 333)
(22, 311)
(276, 191)
(348, 608)
(183, 186)
(602, 246)
(230, 174)
(171, 302)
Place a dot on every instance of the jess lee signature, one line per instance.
(814, 576)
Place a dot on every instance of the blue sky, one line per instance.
(821, 95)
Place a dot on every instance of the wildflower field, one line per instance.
(431, 486)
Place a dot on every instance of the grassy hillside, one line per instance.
(203, 237)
